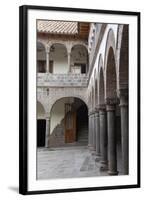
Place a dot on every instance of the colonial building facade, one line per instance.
(82, 89)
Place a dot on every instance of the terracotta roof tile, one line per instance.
(57, 27)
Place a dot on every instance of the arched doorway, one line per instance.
(68, 122)
(41, 125)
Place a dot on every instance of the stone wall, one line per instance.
(48, 96)
(61, 80)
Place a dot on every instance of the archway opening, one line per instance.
(96, 93)
(101, 88)
(68, 122)
(58, 63)
(111, 76)
(41, 125)
(79, 59)
(93, 99)
(41, 58)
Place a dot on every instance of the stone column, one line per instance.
(93, 133)
(89, 130)
(47, 60)
(112, 143)
(69, 62)
(90, 139)
(124, 130)
(103, 137)
(97, 125)
(47, 132)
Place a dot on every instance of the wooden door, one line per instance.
(70, 124)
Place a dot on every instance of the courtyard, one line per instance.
(68, 162)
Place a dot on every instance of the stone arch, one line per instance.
(56, 98)
(101, 96)
(40, 110)
(93, 98)
(95, 73)
(123, 60)
(101, 81)
(89, 98)
(100, 63)
(111, 92)
(110, 42)
(90, 105)
(57, 43)
(79, 57)
(66, 116)
(80, 44)
(96, 92)
(41, 42)
(67, 98)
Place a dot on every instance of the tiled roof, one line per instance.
(57, 27)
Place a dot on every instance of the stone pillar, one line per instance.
(103, 137)
(47, 60)
(97, 125)
(47, 132)
(112, 143)
(89, 130)
(93, 133)
(69, 62)
(90, 136)
(124, 130)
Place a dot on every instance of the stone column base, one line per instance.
(98, 158)
(113, 173)
(104, 166)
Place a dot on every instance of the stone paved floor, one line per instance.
(66, 162)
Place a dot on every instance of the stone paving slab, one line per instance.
(66, 162)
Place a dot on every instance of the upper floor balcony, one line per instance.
(61, 80)
(61, 66)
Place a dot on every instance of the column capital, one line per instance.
(96, 109)
(111, 104)
(69, 53)
(47, 116)
(47, 48)
(102, 107)
(48, 51)
(91, 112)
(112, 101)
(123, 93)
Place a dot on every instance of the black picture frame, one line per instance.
(23, 97)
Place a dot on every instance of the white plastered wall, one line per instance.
(57, 114)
